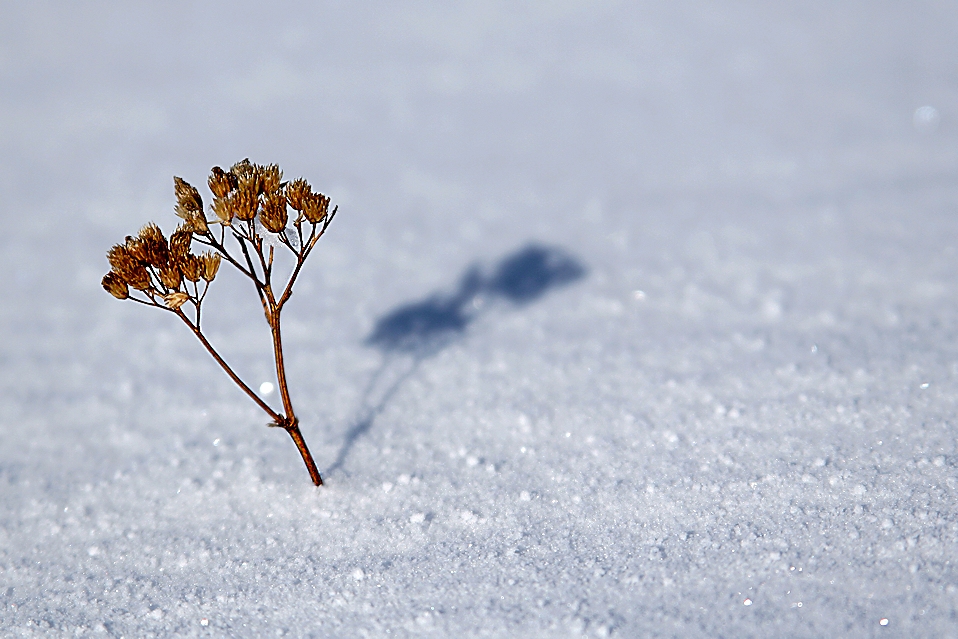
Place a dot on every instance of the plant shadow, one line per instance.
(411, 333)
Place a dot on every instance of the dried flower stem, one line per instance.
(226, 367)
(250, 200)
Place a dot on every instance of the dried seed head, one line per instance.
(248, 177)
(211, 264)
(180, 242)
(128, 267)
(120, 258)
(191, 267)
(274, 216)
(197, 223)
(176, 300)
(115, 286)
(170, 276)
(245, 201)
(221, 182)
(188, 199)
(139, 278)
(296, 192)
(271, 177)
(137, 249)
(315, 207)
(152, 247)
(243, 168)
(223, 208)
(151, 232)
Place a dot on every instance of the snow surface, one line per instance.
(639, 319)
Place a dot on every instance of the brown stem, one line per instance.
(281, 366)
(293, 429)
(221, 248)
(229, 371)
(272, 310)
(290, 423)
(300, 259)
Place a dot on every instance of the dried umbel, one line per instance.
(189, 205)
(116, 286)
(249, 201)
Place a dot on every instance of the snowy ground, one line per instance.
(724, 407)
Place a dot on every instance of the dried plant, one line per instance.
(251, 210)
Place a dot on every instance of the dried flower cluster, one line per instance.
(253, 212)
(160, 269)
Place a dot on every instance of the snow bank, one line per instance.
(636, 321)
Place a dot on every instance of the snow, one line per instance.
(636, 320)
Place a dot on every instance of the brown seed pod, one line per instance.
(127, 266)
(315, 207)
(274, 216)
(120, 258)
(248, 177)
(221, 182)
(170, 276)
(271, 177)
(115, 286)
(296, 192)
(138, 278)
(180, 242)
(211, 264)
(153, 248)
(197, 224)
(223, 208)
(244, 202)
(188, 199)
(151, 232)
(176, 300)
(137, 249)
(242, 169)
(158, 253)
(191, 267)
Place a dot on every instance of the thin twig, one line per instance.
(229, 371)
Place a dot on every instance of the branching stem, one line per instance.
(250, 203)
(279, 419)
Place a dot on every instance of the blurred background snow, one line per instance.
(702, 381)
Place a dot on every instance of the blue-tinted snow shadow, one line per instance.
(413, 332)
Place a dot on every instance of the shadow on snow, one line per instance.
(413, 332)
